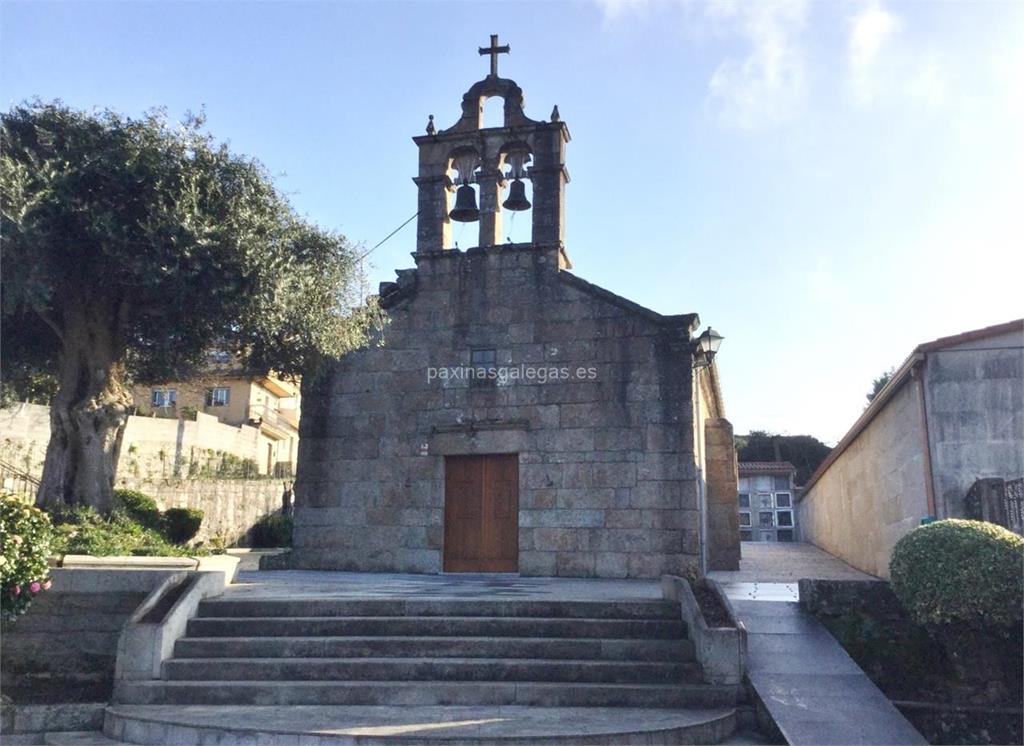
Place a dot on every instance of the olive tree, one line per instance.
(131, 247)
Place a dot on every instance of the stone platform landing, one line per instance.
(301, 584)
(331, 726)
(786, 562)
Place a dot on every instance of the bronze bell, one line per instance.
(465, 210)
(517, 197)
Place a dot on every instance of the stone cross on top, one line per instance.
(494, 50)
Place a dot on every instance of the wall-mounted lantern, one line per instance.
(707, 347)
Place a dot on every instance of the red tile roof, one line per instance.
(766, 467)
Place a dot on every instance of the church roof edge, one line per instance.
(690, 321)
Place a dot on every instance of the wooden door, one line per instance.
(481, 513)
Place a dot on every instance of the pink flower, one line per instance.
(16, 591)
(35, 587)
(47, 584)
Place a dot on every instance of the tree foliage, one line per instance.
(879, 383)
(133, 246)
(805, 452)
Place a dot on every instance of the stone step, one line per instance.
(427, 626)
(417, 726)
(423, 693)
(677, 651)
(78, 738)
(312, 607)
(428, 669)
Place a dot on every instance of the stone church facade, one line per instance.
(514, 417)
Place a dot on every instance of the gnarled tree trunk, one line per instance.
(88, 415)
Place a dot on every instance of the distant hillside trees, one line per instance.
(805, 452)
(879, 383)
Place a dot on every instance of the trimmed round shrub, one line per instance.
(26, 543)
(182, 524)
(139, 507)
(271, 531)
(957, 572)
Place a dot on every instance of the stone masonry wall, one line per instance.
(722, 473)
(230, 506)
(606, 482)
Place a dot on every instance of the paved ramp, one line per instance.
(813, 690)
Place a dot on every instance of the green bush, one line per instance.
(26, 543)
(273, 530)
(958, 572)
(82, 530)
(182, 524)
(140, 507)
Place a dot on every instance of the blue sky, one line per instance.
(828, 183)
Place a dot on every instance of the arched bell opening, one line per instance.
(492, 112)
(517, 205)
(465, 162)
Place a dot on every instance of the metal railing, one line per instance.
(283, 418)
(18, 481)
(998, 501)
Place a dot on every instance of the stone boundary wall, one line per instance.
(152, 446)
(874, 492)
(838, 597)
(230, 506)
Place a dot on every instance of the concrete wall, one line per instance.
(607, 482)
(157, 457)
(153, 447)
(24, 433)
(975, 399)
(874, 492)
(159, 448)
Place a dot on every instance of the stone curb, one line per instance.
(721, 651)
(38, 719)
(121, 722)
(145, 643)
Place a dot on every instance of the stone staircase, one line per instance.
(430, 652)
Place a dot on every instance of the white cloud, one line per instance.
(869, 30)
(612, 10)
(766, 86)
